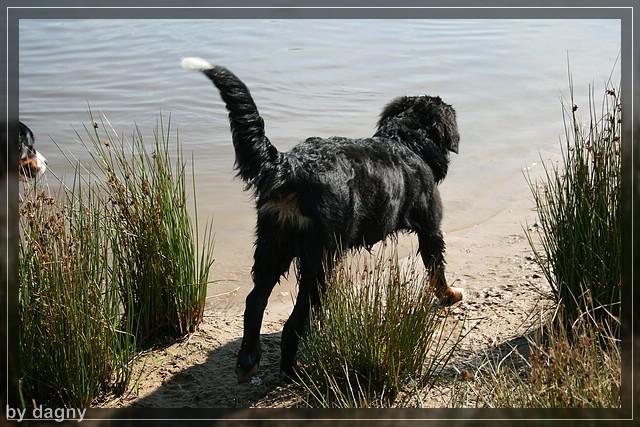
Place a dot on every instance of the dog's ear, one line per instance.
(445, 125)
(26, 139)
(394, 108)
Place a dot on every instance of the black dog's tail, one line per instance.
(253, 149)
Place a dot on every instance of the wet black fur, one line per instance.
(351, 193)
(26, 140)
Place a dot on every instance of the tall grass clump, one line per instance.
(579, 208)
(375, 335)
(161, 269)
(575, 360)
(71, 345)
(108, 264)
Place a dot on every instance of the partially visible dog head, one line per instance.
(419, 115)
(30, 163)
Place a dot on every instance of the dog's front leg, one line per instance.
(432, 251)
(270, 263)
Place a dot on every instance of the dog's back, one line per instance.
(358, 190)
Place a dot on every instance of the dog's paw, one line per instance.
(245, 374)
(453, 296)
(457, 294)
(247, 366)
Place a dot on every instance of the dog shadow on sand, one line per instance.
(213, 384)
(190, 393)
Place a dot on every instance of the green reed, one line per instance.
(161, 269)
(579, 208)
(108, 264)
(574, 361)
(376, 333)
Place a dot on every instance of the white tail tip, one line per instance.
(194, 63)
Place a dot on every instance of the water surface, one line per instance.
(505, 79)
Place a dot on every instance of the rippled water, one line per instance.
(505, 78)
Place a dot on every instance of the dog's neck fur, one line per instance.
(421, 142)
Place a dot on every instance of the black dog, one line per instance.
(330, 194)
(30, 163)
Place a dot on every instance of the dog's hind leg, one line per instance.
(271, 261)
(432, 251)
(312, 271)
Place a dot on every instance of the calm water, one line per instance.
(316, 78)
